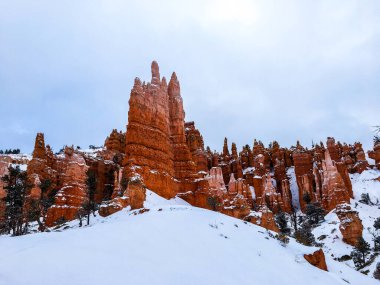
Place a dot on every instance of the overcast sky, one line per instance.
(284, 70)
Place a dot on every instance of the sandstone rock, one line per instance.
(136, 193)
(334, 191)
(303, 167)
(73, 194)
(156, 145)
(317, 259)
(375, 154)
(271, 198)
(226, 152)
(286, 196)
(351, 225)
(334, 149)
(195, 143)
(113, 206)
(263, 218)
(115, 141)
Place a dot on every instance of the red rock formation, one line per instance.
(234, 153)
(334, 191)
(317, 259)
(286, 196)
(72, 194)
(303, 168)
(3, 193)
(226, 152)
(155, 141)
(264, 218)
(271, 198)
(350, 226)
(334, 149)
(136, 193)
(115, 141)
(375, 154)
(195, 143)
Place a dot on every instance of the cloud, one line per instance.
(283, 70)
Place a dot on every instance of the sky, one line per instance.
(272, 70)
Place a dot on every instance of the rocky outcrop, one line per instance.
(263, 218)
(351, 225)
(72, 192)
(271, 198)
(195, 143)
(303, 167)
(136, 193)
(317, 259)
(375, 154)
(115, 141)
(334, 190)
(155, 141)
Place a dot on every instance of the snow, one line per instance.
(333, 244)
(172, 243)
(293, 188)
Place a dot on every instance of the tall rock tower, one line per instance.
(156, 146)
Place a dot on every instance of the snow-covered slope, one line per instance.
(332, 244)
(172, 243)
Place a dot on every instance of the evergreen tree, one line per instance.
(16, 186)
(365, 199)
(304, 235)
(306, 198)
(376, 224)
(361, 250)
(282, 223)
(376, 273)
(90, 205)
(314, 213)
(46, 201)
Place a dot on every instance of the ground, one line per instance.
(172, 243)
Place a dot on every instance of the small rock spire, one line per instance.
(226, 152)
(155, 73)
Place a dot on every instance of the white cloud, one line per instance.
(282, 70)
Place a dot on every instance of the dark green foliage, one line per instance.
(314, 213)
(211, 201)
(365, 199)
(376, 224)
(376, 241)
(46, 201)
(282, 223)
(10, 151)
(108, 189)
(90, 205)
(304, 235)
(376, 273)
(361, 250)
(306, 198)
(16, 186)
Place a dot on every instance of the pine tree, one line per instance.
(376, 273)
(376, 224)
(361, 250)
(16, 186)
(314, 213)
(282, 223)
(90, 205)
(304, 235)
(306, 198)
(46, 201)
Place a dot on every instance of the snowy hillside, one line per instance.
(332, 243)
(172, 243)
